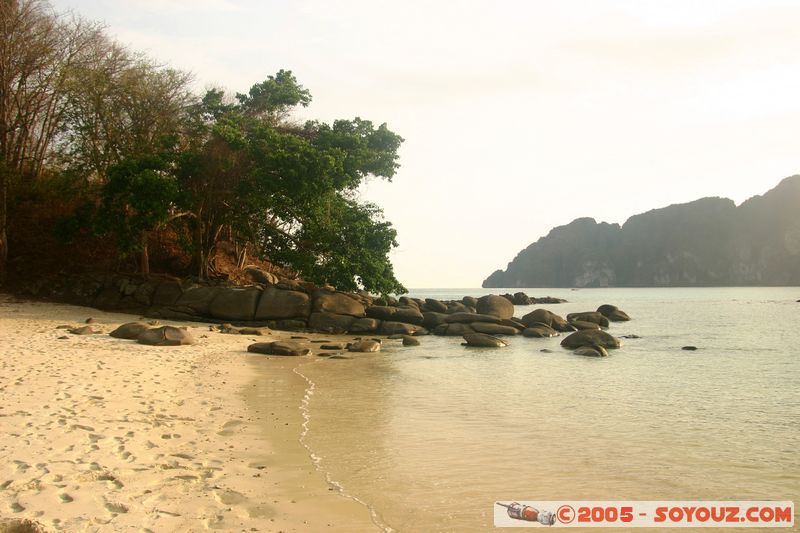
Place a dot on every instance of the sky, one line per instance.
(518, 116)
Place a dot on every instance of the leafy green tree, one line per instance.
(288, 188)
(140, 196)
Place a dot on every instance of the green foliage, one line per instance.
(139, 195)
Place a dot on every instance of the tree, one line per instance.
(37, 51)
(289, 188)
(139, 196)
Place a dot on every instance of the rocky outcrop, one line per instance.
(708, 242)
(277, 304)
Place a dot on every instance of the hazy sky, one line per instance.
(518, 116)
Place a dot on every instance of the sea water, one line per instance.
(430, 437)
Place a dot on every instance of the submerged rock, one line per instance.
(591, 351)
(689, 348)
(483, 340)
(539, 331)
(591, 337)
(410, 341)
(591, 316)
(613, 313)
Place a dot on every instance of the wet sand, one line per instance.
(103, 434)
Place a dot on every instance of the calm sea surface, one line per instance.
(429, 437)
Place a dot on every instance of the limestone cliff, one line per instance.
(708, 242)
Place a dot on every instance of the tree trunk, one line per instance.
(3, 219)
(145, 256)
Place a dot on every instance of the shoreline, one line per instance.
(102, 433)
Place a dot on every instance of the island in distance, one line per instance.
(708, 242)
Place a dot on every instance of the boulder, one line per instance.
(333, 346)
(468, 318)
(389, 327)
(540, 331)
(260, 276)
(278, 348)
(591, 351)
(689, 348)
(330, 322)
(469, 301)
(458, 307)
(291, 324)
(144, 293)
(590, 337)
(435, 305)
(279, 304)
(520, 298)
(495, 305)
(165, 336)
(197, 298)
(167, 293)
(381, 312)
(410, 341)
(453, 330)
(547, 300)
(613, 313)
(591, 316)
(234, 304)
(368, 345)
(413, 302)
(408, 314)
(365, 325)
(482, 340)
(431, 319)
(338, 303)
(548, 318)
(581, 325)
(130, 330)
(493, 329)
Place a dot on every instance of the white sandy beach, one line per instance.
(103, 434)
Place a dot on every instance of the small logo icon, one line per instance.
(527, 513)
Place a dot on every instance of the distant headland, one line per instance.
(708, 242)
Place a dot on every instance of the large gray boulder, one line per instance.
(469, 301)
(548, 318)
(130, 330)
(330, 322)
(235, 304)
(381, 312)
(589, 316)
(279, 304)
(495, 305)
(278, 348)
(613, 313)
(365, 325)
(493, 329)
(432, 319)
(590, 337)
(166, 336)
(197, 298)
(167, 293)
(481, 340)
(408, 314)
(338, 303)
